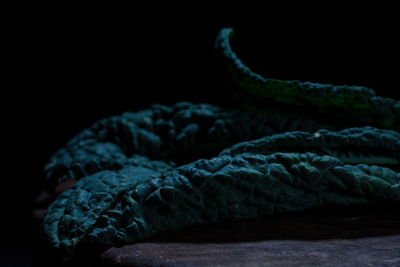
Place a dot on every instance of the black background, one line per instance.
(76, 64)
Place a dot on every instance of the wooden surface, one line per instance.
(346, 238)
(356, 236)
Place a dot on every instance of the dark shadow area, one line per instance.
(315, 224)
